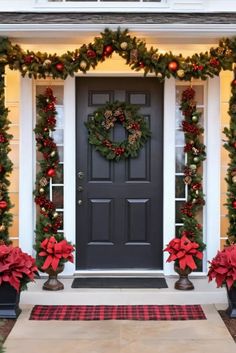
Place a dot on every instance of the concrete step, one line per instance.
(204, 293)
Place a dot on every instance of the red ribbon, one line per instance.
(184, 251)
(55, 251)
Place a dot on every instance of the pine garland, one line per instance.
(230, 146)
(195, 151)
(48, 220)
(5, 165)
(132, 50)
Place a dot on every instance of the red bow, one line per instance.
(184, 251)
(55, 251)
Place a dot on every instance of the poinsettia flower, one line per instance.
(184, 251)
(223, 267)
(16, 267)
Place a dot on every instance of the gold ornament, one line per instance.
(2, 228)
(53, 153)
(159, 75)
(43, 181)
(55, 215)
(83, 65)
(43, 209)
(47, 63)
(124, 45)
(195, 118)
(234, 179)
(41, 190)
(180, 73)
(193, 166)
(24, 68)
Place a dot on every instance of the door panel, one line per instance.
(119, 215)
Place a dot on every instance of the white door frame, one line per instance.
(212, 170)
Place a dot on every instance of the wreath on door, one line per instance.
(99, 127)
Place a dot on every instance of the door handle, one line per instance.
(81, 175)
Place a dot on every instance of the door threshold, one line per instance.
(119, 273)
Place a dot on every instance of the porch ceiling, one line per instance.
(152, 33)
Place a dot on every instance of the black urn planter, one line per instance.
(231, 311)
(9, 302)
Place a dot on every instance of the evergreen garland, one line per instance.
(230, 146)
(132, 50)
(48, 220)
(195, 151)
(5, 165)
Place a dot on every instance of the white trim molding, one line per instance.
(213, 137)
(26, 169)
(174, 6)
(169, 169)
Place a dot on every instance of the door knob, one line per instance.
(81, 175)
(80, 202)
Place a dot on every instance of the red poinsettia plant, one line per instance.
(223, 267)
(55, 253)
(184, 252)
(16, 267)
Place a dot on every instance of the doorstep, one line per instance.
(204, 293)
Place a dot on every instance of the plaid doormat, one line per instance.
(117, 312)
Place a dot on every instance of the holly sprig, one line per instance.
(195, 150)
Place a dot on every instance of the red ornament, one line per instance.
(234, 144)
(51, 172)
(91, 54)
(2, 138)
(122, 118)
(173, 66)
(60, 67)
(233, 83)
(141, 64)
(28, 59)
(108, 50)
(234, 204)
(214, 62)
(3, 205)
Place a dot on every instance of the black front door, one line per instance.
(119, 204)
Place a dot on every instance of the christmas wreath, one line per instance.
(105, 118)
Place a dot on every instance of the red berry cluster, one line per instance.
(118, 151)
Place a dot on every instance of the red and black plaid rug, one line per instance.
(117, 312)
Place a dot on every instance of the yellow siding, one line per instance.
(13, 102)
(226, 78)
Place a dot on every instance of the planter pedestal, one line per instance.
(231, 294)
(9, 302)
(53, 283)
(183, 282)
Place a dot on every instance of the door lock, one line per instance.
(80, 202)
(81, 175)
